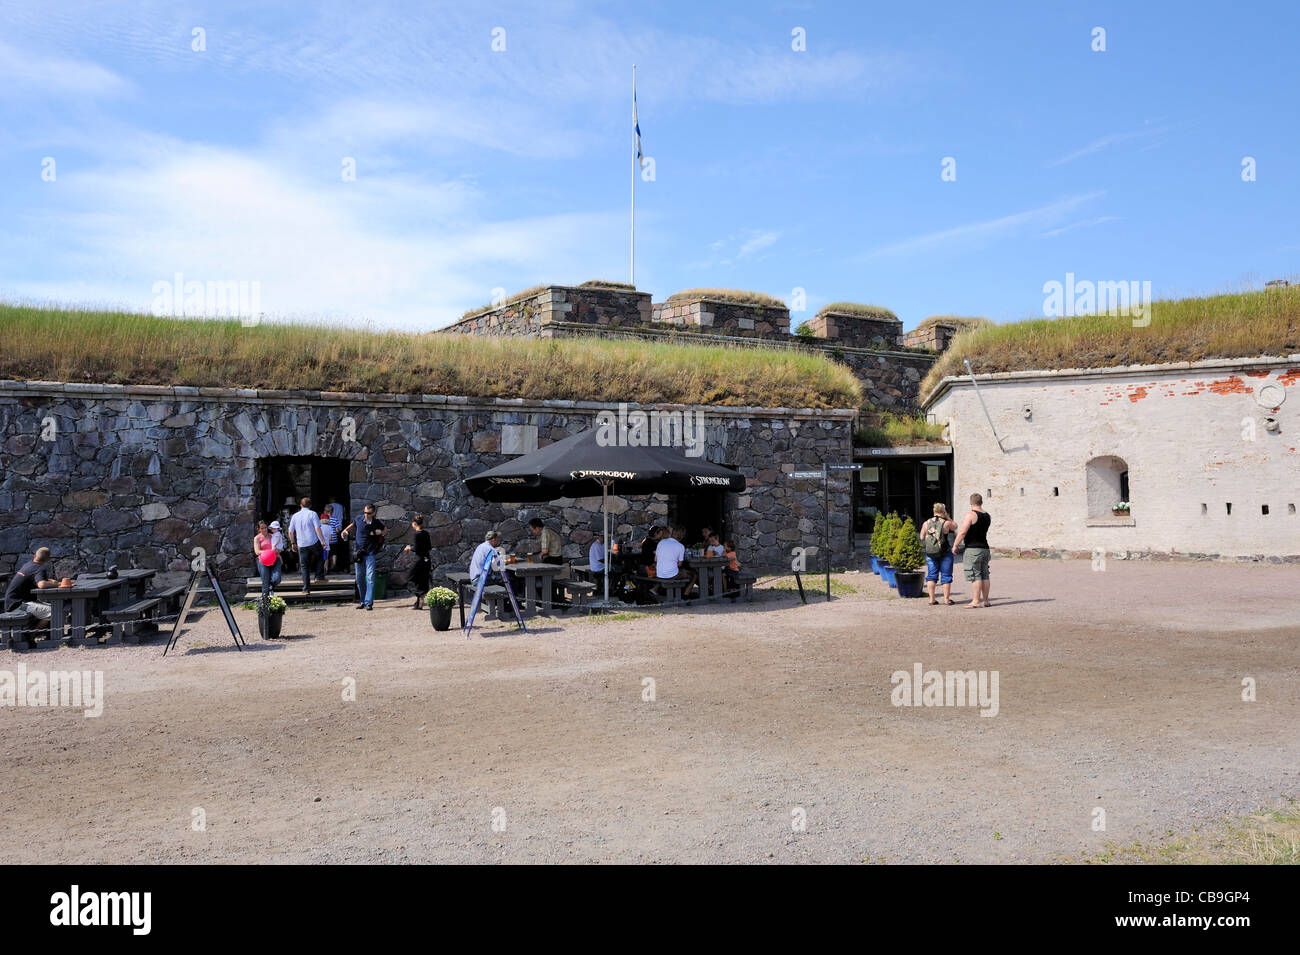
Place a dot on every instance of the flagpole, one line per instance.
(632, 234)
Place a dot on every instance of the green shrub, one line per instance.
(804, 330)
(440, 597)
(277, 604)
(883, 540)
(906, 554)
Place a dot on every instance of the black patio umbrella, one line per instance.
(581, 466)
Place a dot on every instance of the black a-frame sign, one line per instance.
(190, 592)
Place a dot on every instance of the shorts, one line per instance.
(975, 561)
(939, 567)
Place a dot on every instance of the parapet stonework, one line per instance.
(141, 476)
(532, 315)
(890, 377)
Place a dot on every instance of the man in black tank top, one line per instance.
(973, 534)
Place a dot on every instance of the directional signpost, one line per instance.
(825, 474)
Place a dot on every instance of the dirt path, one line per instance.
(1119, 690)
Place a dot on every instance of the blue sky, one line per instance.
(775, 169)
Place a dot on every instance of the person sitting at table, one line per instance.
(669, 555)
(36, 574)
(262, 543)
(596, 556)
(648, 545)
(731, 573)
(550, 552)
(481, 554)
(705, 534)
(713, 547)
(551, 545)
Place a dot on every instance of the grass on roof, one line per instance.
(892, 431)
(739, 296)
(517, 297)
(601, 283)
(859, 309)
(1232, 325)
(54, 344)
(960, 322)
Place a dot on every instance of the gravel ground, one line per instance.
(1119, 690)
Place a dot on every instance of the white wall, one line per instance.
(1185, 432)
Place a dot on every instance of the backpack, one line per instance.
(934, 542)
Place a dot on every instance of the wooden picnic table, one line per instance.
(712, 584)
(536, 576)
(137, 579)
(78, 607)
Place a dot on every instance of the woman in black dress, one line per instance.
(420, 572)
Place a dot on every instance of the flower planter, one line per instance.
(269, 624)
(909, 582)
(440, 617)
(887, 575)
(1120, 512)
(875, 566)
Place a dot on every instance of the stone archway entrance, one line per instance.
(284, 480)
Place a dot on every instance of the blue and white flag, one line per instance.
(636, 125)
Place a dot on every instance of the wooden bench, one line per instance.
(745, 581)
(170, 599)
(579, 591)
(494, 595)
(673, 587)
(13, 627)
(130, 620)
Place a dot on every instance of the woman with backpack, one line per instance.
(936, 537)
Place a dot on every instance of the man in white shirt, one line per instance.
(596, 556)
(304, 539)
(481, 554)
(669, 554)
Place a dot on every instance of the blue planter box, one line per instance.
(887, 575)
(910, 583)
(875, 566)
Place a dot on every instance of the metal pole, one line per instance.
(604, 544)
(974, 385)
(632, 231)
(826, 493)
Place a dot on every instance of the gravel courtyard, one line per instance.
(1119, 689)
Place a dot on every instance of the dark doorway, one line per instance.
(702, 508)
(283, 481)
(909, 485)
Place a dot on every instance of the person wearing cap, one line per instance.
(481, 554)
(277, 538)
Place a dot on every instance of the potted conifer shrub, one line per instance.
(891, 525)
(906, 558)
(876, 521)
(270, 616)
(440, 600)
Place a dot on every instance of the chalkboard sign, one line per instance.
(190, 592)
(225, 609)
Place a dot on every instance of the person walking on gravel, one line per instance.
(973, 534)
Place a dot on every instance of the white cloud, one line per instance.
(26, 74)
(317, 250)
(990, 228)
(1084, 224)
(1104, 142)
